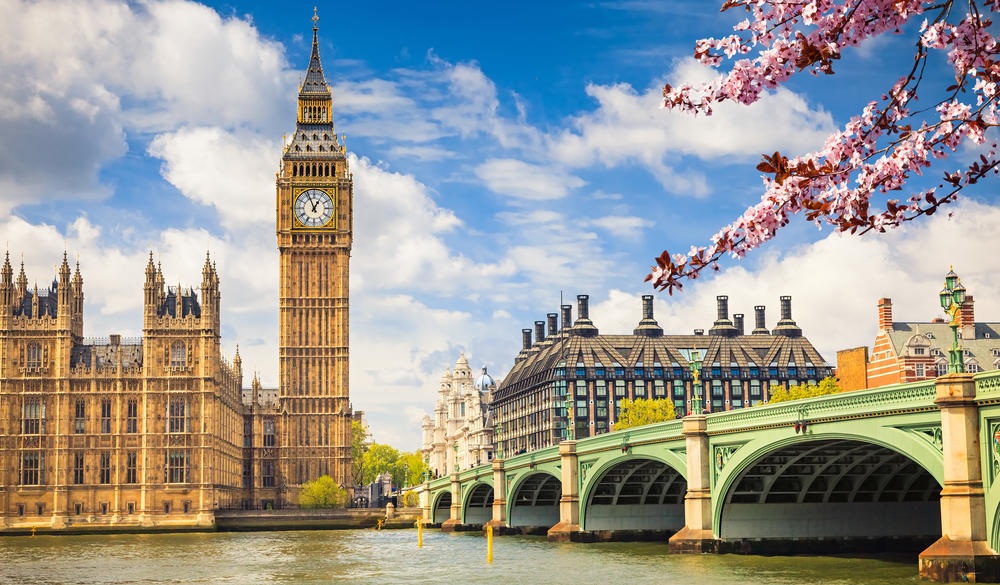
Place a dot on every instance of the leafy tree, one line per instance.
(644, 411)
(411, 499)
(413, 467)
(850, 182)
(380, 459)
(359, 445)
(322, 492)
(826, 386)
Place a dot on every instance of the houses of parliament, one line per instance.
(158, 431)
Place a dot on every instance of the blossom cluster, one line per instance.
(848, 182)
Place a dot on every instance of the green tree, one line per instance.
(644, 411)
(359, 445)
(411, 499)
(826, 386)
(322, 492)
(413, 467)
(380, 459)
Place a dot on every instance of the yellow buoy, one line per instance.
(489, 543)
(420, 534)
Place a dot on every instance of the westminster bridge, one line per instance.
(910, 465)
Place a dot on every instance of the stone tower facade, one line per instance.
(314, 232)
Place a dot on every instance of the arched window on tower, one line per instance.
(34, 357)
(178, 355)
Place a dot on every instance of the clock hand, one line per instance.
(315, 203)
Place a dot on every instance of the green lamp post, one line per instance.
(570, 419)
(696, 408)
(498, 439)
(952, 298)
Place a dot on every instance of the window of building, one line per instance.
(267, 473)
(620, 388)
(659, 388)
(639, 370)
(80, 417)
(105, 473)
(716, 388)
(755, 392)
(619, 370)
(581, 372)
(132, 416)
(942, 368)
(658, 369)
(34, 411)
(34, 357)
(640, 388)
(78, 468)
(106, 416)
(754, 370)
(736, 390)
(32, 468)
(772, 370)
(677, 370)
(600, 388)
(177, 416)
(734, 370)
(678, 388)
(580, 387)
(918, 351)
(131, 467)
(178, 355)
(176, 467)
(793, 370)
(919, 370)
(716, 370)
(269, 432)
(599, 369)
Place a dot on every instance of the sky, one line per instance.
(505, 156)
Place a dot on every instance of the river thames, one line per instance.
(392, 556)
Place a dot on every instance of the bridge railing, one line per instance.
(859, 403)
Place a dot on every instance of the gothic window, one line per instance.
(269, 432)
(131, 467)
(178, 355)
(80, 418)
(78, 468)
(33, 414)
(176, 467)
(105, 472)
(267, 473)
(132, 416)
(106, 416)
(176, 416)
(34, 358)
(32, 468)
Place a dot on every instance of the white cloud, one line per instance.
(630, 127)
(233, 172)
(527, 181)
(622, 226)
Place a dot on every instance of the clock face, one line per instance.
(314, 208)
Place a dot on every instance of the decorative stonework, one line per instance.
(994, 439)
(721, 455)
(929, 433)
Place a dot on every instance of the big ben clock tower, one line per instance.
(314, 216)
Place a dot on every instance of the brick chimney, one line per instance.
(967, 318)
(885, 315)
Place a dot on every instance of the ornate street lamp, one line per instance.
(696, 408)
(497, 434)
(952, 298)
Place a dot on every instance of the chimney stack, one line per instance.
(539, 331)
(567, 318)
(786, 326)
(648, 327)
(760, 328)
(526, 339)
(738, 322)
(967, 318)
(553, 324)
(885, 314)
(584, 327)
(723, 326)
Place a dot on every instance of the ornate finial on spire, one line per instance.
(315, 18)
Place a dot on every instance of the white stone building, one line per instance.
(460, 435)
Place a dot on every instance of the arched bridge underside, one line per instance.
(638, 494)
(479, 505)
(442, 508)
(535, 504)
(832, 489)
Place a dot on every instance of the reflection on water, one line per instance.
(389, 557)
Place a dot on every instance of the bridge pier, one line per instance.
(963, 553)
(499, 521)
(569, 503)
(454, 521)
(697, 536)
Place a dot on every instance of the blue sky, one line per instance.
(504, 154)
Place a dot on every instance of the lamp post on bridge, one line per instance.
(952, 298)
(695, 365)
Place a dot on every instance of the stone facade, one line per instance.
(121, 432)
(460, 436)
(314, 229)
(569, 383)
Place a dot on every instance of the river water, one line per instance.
(392, 556)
